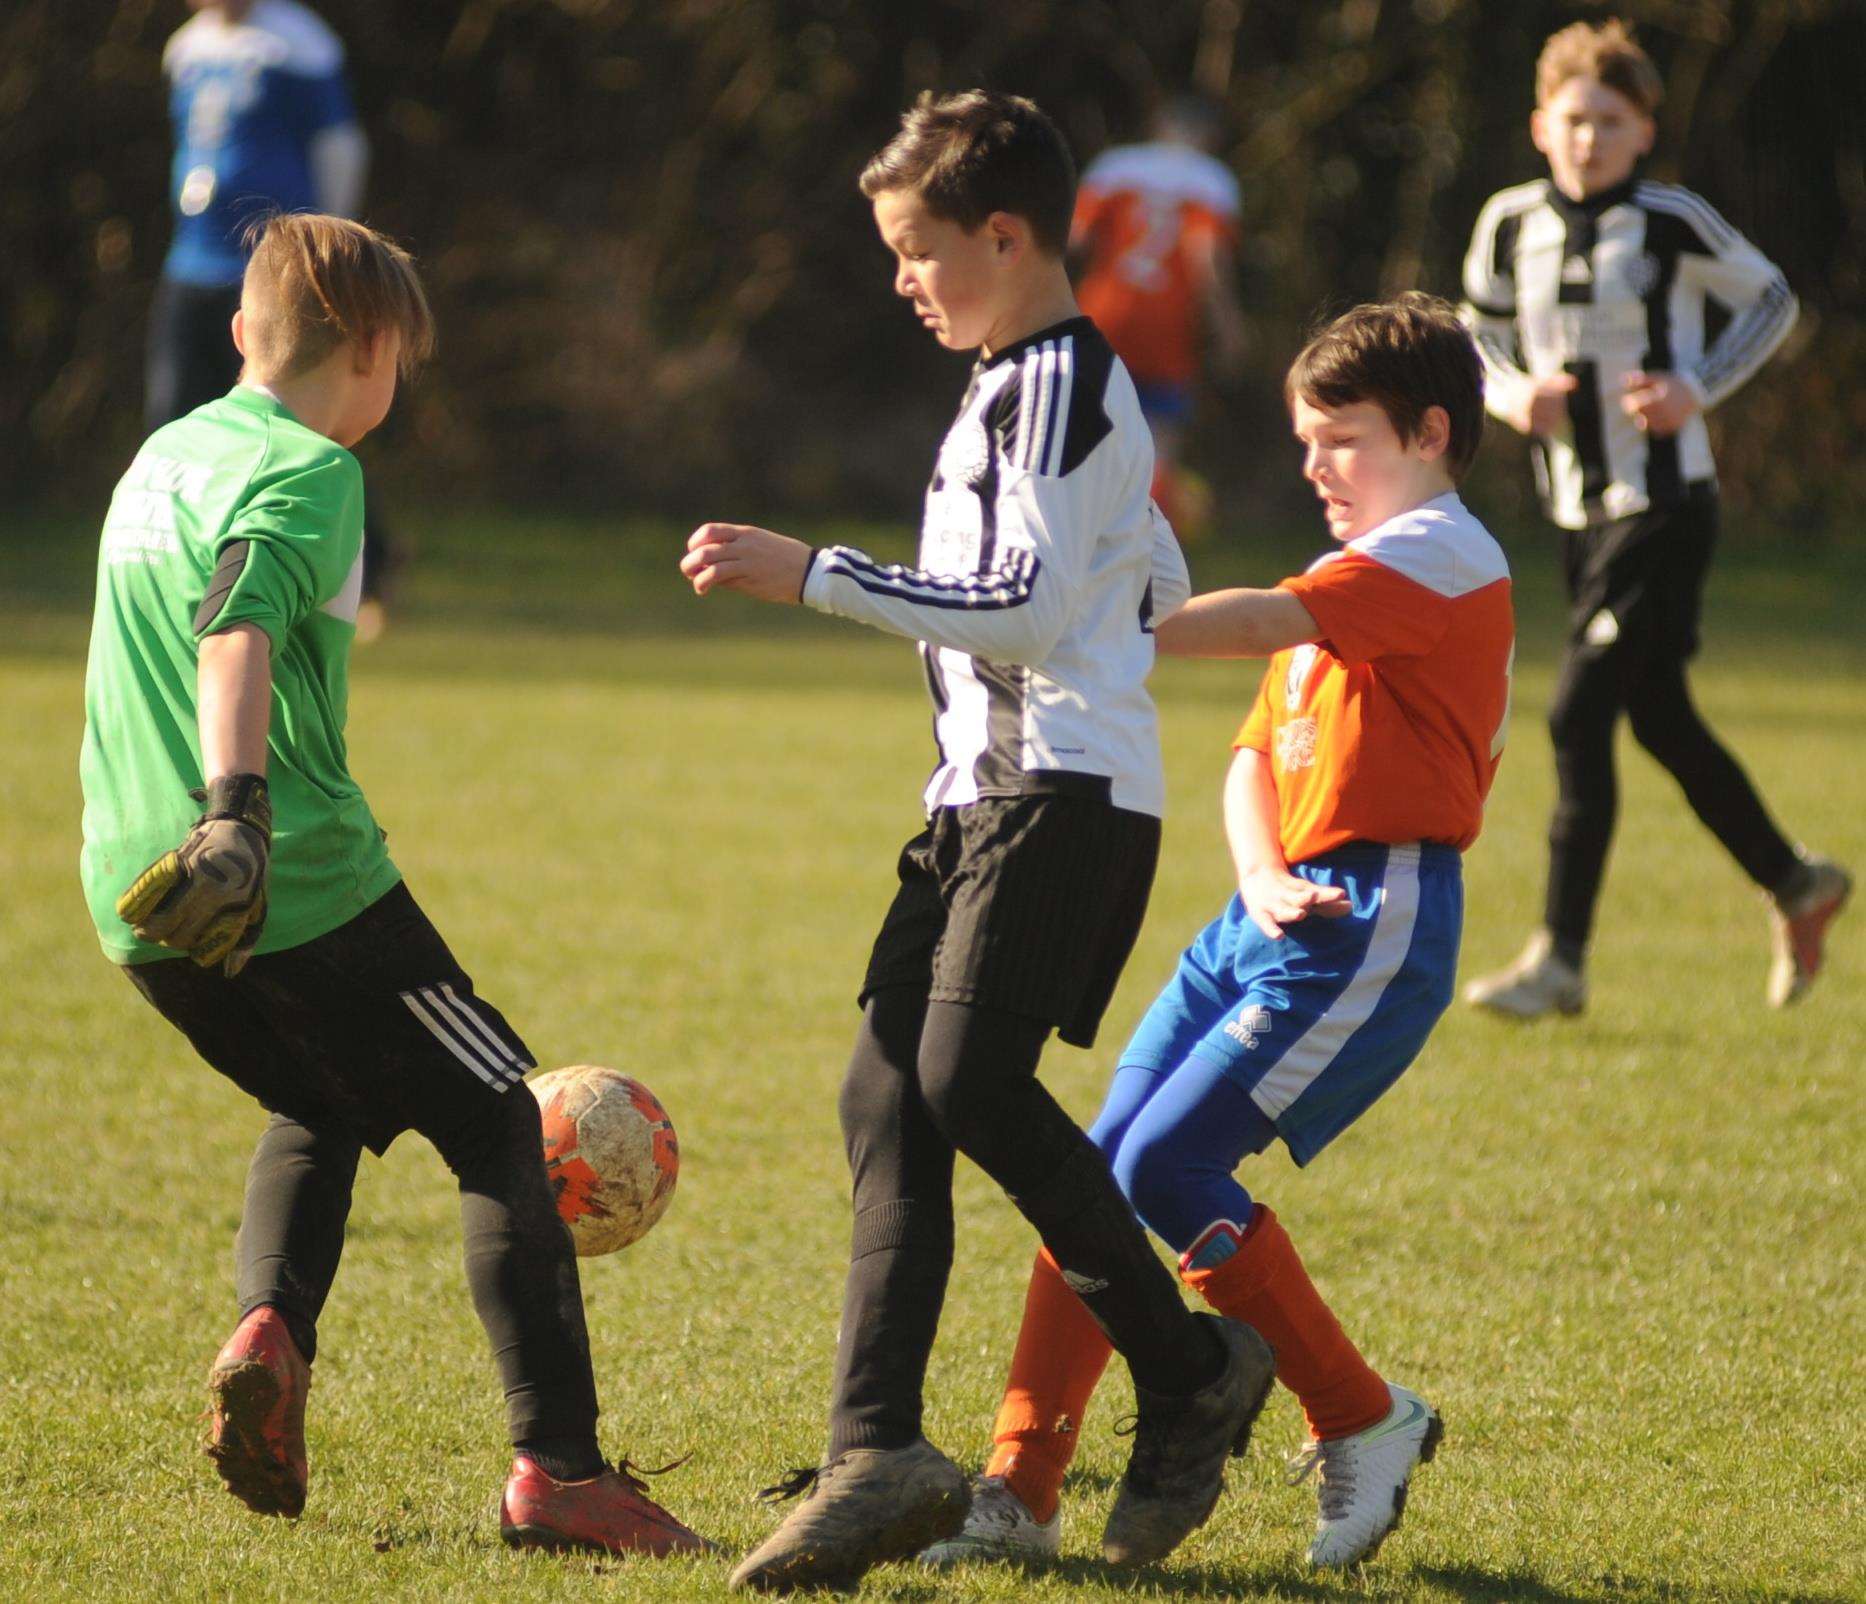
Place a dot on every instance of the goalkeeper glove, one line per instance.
(207, 897)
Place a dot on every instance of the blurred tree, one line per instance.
(656, 281)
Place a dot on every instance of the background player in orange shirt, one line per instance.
(1156, 236)
(1359, 779)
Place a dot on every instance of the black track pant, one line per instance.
(927, 1080)
(329, 1038)
(1637, 586)
(518, 1264)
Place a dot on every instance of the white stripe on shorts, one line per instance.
(423, 1004)
(472, 1016)
(1316, 1048)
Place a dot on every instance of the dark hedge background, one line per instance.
(656, 281)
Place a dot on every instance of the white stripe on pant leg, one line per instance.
(420, 1010)
(1317, 1047)
(466, 1011)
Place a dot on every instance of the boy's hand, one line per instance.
(1543, 408)
(1659, 403)
(770, 567)
(207, 898)
(1275, 898)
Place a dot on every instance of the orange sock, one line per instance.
(1264, 1284)
(1060, 1356)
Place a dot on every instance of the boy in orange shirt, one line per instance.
(1156, 231)
(1359, 779)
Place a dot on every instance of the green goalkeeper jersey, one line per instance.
(237, 513)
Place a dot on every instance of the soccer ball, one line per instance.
(611, 1154)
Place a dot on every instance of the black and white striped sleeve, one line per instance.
(1044, 502)
(1489, 309)
(1012, 612)
(1762, 306)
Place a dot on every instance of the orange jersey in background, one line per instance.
(1147, 219)
(1390, 727)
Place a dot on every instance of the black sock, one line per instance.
(303, 1330)
(1572, 953)
(564, 1458)
(1106, 1260)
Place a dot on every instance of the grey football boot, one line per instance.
(1539, 982)
(1177, 1468)
(865, 1507)
(1798, 925)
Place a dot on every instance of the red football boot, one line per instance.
(257, 1392)
(610, 1512)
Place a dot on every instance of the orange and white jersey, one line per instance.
(1391, 726)
(1148, 218)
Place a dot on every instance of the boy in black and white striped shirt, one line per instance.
(1593, 295)
(1042, 565)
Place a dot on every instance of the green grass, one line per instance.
(1622, 1254)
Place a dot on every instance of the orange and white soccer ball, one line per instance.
(611, 1153)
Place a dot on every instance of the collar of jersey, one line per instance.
(1069, 325)
(1592, 205)
(244, 395)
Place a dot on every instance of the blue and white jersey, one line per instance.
(247, 100)
(1043, 565)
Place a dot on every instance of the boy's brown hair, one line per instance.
(978, 152)
(315, 283)
(1404, 355)
(1607, 51)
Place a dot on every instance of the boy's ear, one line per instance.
(1434, 433)
(1010, 234)
(1538, 131)
(239, 331)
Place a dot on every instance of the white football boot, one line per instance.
(1364, 1477)
(1800, 929)
(1537, 983)
(999, 1528)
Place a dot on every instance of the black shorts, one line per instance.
(372, 1025)
(1638, 582)
(1030, 904)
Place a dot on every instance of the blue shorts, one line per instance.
(1162, 401)
(1316, 1025)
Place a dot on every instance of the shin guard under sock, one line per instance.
(1255, 1275)
(1061, 1354)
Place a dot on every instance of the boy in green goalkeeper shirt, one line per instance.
(277, 935)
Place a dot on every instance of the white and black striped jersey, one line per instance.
(1043, 563)
(1642, 276)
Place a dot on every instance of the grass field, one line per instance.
(1622, 1254)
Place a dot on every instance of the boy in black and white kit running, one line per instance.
(1594, 295)
(1043, 563)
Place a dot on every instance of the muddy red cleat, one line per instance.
(611, 1512)
(256, 1436)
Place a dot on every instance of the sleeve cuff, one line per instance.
(1696, 386)
(815, 582)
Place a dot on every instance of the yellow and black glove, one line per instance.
(207, 898)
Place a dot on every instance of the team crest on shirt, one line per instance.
(1640, 274)
(1295, 744)
(965, 457)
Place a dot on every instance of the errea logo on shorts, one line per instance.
(1248, 1026)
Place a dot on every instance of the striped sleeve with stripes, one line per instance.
(1489, 309)
(1726, 266)
(1041, 498)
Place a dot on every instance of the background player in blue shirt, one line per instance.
(262, 121)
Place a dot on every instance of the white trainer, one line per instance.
(999, 1528)
(1364, 1478)
(1800, 929)
(1537, 983)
